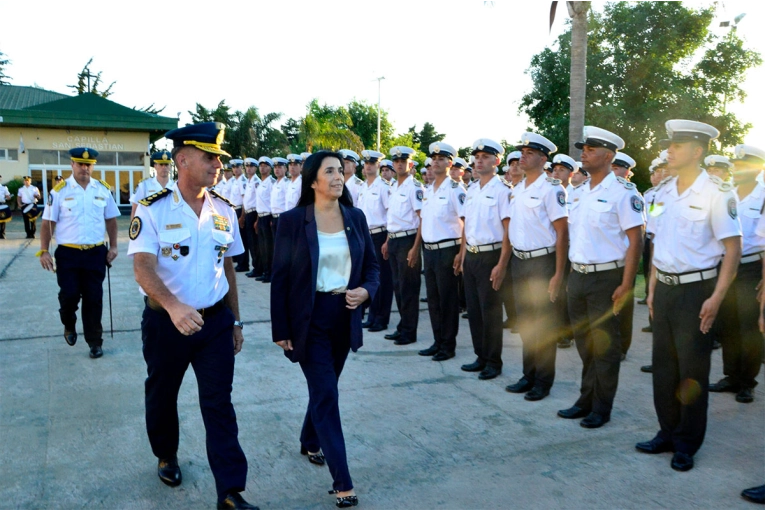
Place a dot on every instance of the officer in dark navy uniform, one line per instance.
(182, 241)
(80, 211)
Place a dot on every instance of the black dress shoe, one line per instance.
(251, 274)
(236, 501)
(647, 329)
(475, 366)
(404, 341)
(430, 351)
(169, 471)
(565, 343)
(96, 352)
(489, 373)
(755, 494)
(465, 315)
(313, 458)
(723, 385)
(745, 396)
(393, 336)
(682, 461)
(643, 301)
(366, 324)
(345, 501)
(522, 386)
(240, 269)
(655, 445)
(70, 337)
(573, 412)
(259, 278)
(594, 421)
(374, 328)
(648, 369)
(267, 279)
(536, 393)
(423, 300)
(442, 356)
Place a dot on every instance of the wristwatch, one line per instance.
(240, 324)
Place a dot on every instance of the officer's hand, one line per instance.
(285, 344)
(554, 288)
(356, 297)
(238, 340)
(111, 254)
(761, 322)
(46, 261)
(708, 313)
(760, 292)
(412, 256)
(649, 302)
(620, 297)
(497, 275)
(457, 265)
(241, 221)
(384, 250)
(186, 319)
(255, 225)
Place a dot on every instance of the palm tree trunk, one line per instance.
(578, 76)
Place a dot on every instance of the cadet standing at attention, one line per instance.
(539, 237)
(441, 232)
(182, 241)
(80, 211)
(402, 248)
(353, 183)
(696, 223)
(160, 161)
(251, 218)
(606, 226)
(484, 255)
(263, 201)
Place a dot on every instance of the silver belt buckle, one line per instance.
(524, 255)
(583, 268)
(671, 280)
(472, 249)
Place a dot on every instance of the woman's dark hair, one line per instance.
(311, 171)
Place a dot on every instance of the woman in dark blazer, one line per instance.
(324, 262)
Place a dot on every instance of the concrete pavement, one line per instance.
(420, 434)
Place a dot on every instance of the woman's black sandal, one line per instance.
(345, 501)
(313, 458)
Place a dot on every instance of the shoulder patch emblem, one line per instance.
(636, 203)
(135, 228)
(59, 186)
(561, 197)
(418, 195)
(216, 195)
(461, 198)
(732, 212)
(106, 184)
(153, 198)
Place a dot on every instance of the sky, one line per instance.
(459, 64)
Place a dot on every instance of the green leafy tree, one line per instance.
(221, 113)
(291, 130)
(425, 137)
(640, 74)
(88, 82)
(364, 124)
(328, 127)
(4, 78)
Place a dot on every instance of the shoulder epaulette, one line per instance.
(507, 183)
(58, 187)
(142, 180)
(271, 177)
(417, 183)
(106, 184)
(218, 196)
(627, 184)
(455, 184)
(153, 198)
(662, 183)
(357, 180)
(552, 181)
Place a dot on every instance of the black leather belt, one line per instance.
(204, 312)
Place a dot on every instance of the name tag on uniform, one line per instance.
(221, 223)
(69, 198)
(100, 198)
(173, 226)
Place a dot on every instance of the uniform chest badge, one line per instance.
(221, 223)
(167, 251)
(135, 228)
(561, 197)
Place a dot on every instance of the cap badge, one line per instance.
(85, 155)
(219, 138)
(164, 156)
(398, 152)
(480, 147)
(436, 150)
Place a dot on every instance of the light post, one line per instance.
(380, 79)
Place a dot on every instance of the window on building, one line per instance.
(9, 154)
(107, 158)
(130, 158)
(43, 157)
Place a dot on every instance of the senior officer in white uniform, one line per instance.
(539, 237)
(250, 217)
(182, 242)
(441, 233)
(295, 183)
(263, 206)
(160, 161)
(739, 335)
(374, 197)
(352, 182)
(606, 233)
(694, 221)
(80, 210)
(402, 248)
(483, 257)
(279, 192)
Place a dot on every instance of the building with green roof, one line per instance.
(38, 127)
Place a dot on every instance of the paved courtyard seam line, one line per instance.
(13, 259)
